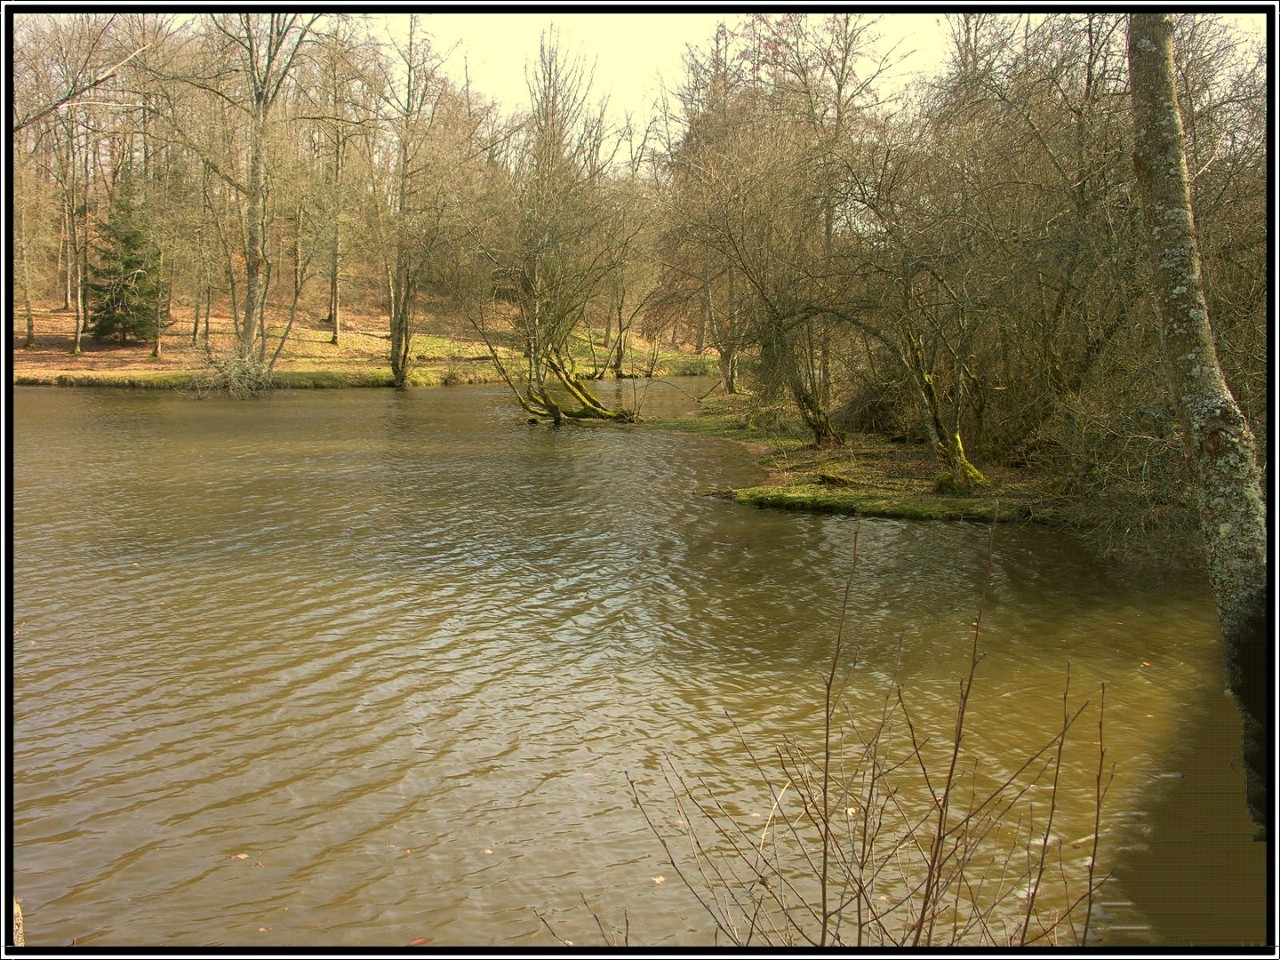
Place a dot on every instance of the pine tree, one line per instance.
(126, 291)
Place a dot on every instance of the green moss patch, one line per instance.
(818, 498)
(867, 476)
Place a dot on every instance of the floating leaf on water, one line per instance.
(239, 856)
(659, 880)
(419, 941)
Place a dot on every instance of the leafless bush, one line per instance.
(234, 374)
(881, 836)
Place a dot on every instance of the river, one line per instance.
(365, 668)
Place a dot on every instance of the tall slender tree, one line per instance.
(265, 47)
(1219, 442)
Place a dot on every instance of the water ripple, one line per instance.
(357, 668)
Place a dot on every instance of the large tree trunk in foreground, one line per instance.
(1219, 442)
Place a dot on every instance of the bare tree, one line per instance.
(431, 150)
(697, 279)
(80, 75)
(568, 240)
(58, 52)
(1218, 439)
(249, 59)
(341, 108)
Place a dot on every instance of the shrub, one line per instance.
(880, 837)
(235, 374)
(877, 837)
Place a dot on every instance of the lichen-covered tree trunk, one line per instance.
(1219, 442)
(961, 476)
(401, 324)
(815, 416)
(783, 368)
(591, 408)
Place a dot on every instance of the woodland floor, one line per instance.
(309, 358)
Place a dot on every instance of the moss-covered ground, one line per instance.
(866, 476)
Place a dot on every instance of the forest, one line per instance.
(960, 262)
(1049, 257)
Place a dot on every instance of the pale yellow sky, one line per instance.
(633, 53)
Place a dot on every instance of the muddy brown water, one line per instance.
(361, 668)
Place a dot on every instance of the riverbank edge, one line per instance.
(868, 476)
(181, 380)
(428, 374)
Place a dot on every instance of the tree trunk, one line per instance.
(729, 368)
(82, 305)
(1220, 444)
(619, 351)
(961, 476)
(254, 247)
(335, 298)
(591, 407)
(76, 269)
(64, 256)
(30, 342)
(815, 416)
(162, 309)
(335, 249)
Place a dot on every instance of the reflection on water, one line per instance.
(357, 668)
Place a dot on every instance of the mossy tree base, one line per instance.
(867, 476)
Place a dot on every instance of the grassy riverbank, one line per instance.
(446, 352)
(309, 357)
(867, 476)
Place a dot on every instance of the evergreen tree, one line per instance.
(126, 292)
